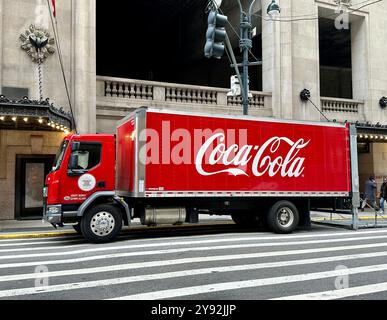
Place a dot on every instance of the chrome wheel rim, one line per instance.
(285, 217)
(102, 224)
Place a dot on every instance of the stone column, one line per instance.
(268, 48)
(375, 30)
(305, 60)
(285, 57)
(277, 59)
(360, 59)
(83, 72)
(361, 66)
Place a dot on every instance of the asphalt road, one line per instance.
(199, 263)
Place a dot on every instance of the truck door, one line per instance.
(86, 174)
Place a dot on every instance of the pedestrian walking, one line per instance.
(370, 193)
(383, 196)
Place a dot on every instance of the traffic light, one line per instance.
(216, 34)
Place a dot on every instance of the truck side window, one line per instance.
(89, 156)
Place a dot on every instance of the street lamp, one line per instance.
(273, 9)
(246, 45)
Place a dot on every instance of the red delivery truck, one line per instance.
(167, 167)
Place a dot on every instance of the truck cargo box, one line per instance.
(179, 154)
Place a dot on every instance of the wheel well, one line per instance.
(112, 202)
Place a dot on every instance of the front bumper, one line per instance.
(53, 214)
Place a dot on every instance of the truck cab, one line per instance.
(84, 167)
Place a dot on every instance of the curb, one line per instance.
(361, 219)
(21, 236)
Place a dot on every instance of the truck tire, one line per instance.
(283, 217)
(101, 224)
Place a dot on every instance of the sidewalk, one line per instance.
(31, 229)
(366, 220)
(367, 215)
(26, 226)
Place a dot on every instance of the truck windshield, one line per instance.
(59, 157)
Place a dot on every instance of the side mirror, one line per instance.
(73, 163)
(75, 146)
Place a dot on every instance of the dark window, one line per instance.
(170, 45)
(335, 60)
(89, 156)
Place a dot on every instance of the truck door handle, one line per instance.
(102, 185)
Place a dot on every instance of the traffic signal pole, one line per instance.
(246, 45)
(236, 67)
(215, 48)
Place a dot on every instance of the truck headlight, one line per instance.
(54, 210)
(45, 192)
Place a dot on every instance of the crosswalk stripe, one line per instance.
(122, 237)
(153, 253)
(29, 249)
(154, 244)
(2, 245)
(142, 246)
(188, 291)
(268, 237)
(238, 285)
(36, 240)
(142, 265)
(340, 294)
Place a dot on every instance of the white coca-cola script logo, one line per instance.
(264, 162)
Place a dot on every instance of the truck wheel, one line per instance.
(283, 217)
(101, 224)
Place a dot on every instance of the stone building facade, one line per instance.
(295, 48)
(26, 149)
